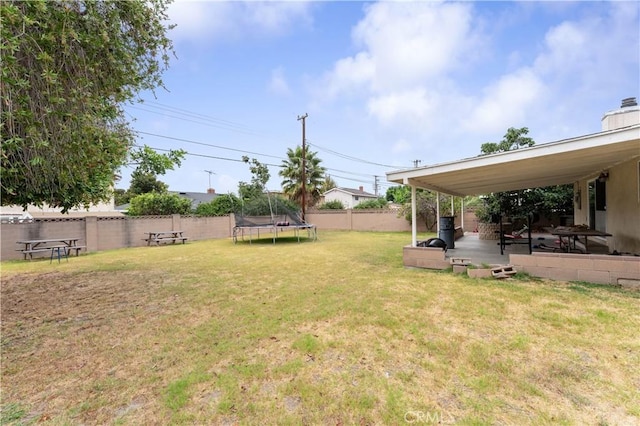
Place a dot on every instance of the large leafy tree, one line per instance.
(553, 199)
(513, 139)
(149, 164)
(259, 177)
(68, 66)
(291, 173)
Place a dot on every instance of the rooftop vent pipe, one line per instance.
(629, 102)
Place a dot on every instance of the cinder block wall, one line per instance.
(424, 257)
(593, 268)
(107, 233)
(361, 220)
(99, 233)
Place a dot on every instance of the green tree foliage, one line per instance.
(121, 196)
(542, 201)
(259, 177)
(328, 184)
(513, 139)
(144, 183)
(149, 164)
(426, 208)
(399, 194)
(332, 205)
(67, 68)
(379, 203)
(159, 204)
(147, 160)
(292, 176)
(219, 206)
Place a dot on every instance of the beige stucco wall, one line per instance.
(623, 206)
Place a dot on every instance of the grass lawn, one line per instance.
(335, 331)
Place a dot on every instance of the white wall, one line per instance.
(343, 197)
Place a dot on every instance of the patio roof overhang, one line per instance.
(553, 163)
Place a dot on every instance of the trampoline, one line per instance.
(276, 223)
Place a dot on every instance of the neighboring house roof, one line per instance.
(197, 198)
(553, 163)
(352, 191)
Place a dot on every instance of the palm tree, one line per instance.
(292, 176)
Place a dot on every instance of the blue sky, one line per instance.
(383, 83)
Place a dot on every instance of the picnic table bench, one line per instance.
(61, 246)
(165, 237)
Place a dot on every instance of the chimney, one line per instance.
(362, 189)
(211, 191)
(629, 102)
(627, 115)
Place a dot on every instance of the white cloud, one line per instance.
(414, 42)
(591, 57)
(211, 21)
(278, 83)
(506, 102)
(406, 54)
(404, 106)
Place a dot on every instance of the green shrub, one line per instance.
(219, 206)
(332, 205)
(379, 203)
(159, 204)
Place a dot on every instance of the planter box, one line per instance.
(488, 231)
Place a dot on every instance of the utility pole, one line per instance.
(375, 185)
(304, 165)
(416, 162)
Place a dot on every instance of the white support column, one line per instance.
(462, 213)
(437, 214)
(414, 221)
(453, 210)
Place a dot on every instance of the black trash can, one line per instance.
(448, 231)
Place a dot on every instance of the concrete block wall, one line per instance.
(424, 257)
(99, 233)
(593, 268)
(361, 220)
(108, 233)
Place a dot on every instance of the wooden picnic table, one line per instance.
(165, 237)
(51, 245)
(574, 234)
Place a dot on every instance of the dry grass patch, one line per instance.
(334, 331)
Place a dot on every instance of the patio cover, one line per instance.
(552, 163)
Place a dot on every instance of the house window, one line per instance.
(355, 197)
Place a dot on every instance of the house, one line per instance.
(604, 169)
(197, 198)
(348, 197)
(11, 213)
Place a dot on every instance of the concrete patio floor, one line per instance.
(488, 251)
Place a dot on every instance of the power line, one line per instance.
(349, 157)
(235, 150)
(197, 121)
(207, 144)
(221, 123)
